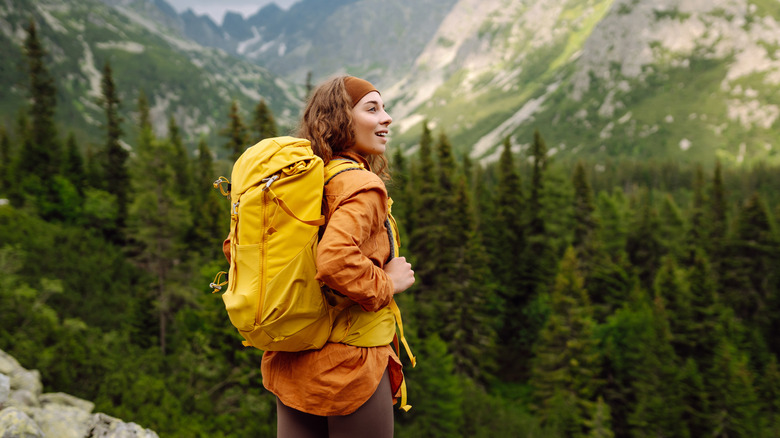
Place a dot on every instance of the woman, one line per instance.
(345, 390)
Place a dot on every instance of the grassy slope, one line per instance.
(670, 105)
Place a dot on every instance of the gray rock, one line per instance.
(29, 380)
(61, 421)
(8, 364)
(104, 426)
(23, 398)
(16, 424)
(60, 398)
(5, 389)
(27, 413)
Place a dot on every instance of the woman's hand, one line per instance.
(400, 273)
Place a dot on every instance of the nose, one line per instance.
(386, 119)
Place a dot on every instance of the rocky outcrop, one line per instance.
(27, 412)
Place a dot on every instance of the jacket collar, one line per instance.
(354, 156)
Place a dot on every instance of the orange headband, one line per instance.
(357, 88)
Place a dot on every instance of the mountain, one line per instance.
(683, 80)
(147, 52)
(375, 39)
(670, 79)
(687, 80)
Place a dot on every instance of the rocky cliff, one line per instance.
(27, 412)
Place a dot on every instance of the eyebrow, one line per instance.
(373, 102)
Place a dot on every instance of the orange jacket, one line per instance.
(355, 246)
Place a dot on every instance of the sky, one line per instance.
(217, 9)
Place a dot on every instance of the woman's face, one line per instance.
(370, 122)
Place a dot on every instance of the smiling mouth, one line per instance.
(381, 134)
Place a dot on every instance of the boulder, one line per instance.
(25, 412)
(16, 424)
(104, 426)
(61, 421)
(5, 389)
(22, 398)
(60, 398)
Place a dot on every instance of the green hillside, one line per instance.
(600, 79)
(179, 78)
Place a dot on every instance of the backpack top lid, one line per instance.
(267, 158)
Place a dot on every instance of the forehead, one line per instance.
(372, 97)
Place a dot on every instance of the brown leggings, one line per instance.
(374, 419)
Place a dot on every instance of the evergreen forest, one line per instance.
(553, 298)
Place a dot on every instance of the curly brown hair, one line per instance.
(327, 123)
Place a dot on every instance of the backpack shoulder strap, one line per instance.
(339, 165)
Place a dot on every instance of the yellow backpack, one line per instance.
(272, 296)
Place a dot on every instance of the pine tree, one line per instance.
(399, 189)
(471, 317)
(40, 159)
(449, 224)
(644, 245)
(181, 162)
(468, 170)
(73, 166)
(115, 166)
(538, 260)
(506, 237)
(236, 133)
(697, 235)
(585, 222)
(158, 220)
(608, 279)
(672, 226)
(695, 399)
(614, 224)
(672, 289)
(734, 402)
(539, 155)
(264, 122)
(566, 362)
(444, 233)
(705, 309)
(204, 171)
(600, 426)
(94, 168)
(210, 224)
(508, 242)
(659, 410)
(748, 278)
(718, 219)
(145, 129)
(44, 155)
(537, 266)
(484, 209)
(424, 239)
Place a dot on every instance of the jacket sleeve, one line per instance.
(341, 263)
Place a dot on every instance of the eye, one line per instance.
(372, 109)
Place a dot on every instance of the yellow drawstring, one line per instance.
(217, 284)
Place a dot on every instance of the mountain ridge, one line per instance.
(687, 80)
(180, 77)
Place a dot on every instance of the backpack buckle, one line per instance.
(268, 181)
